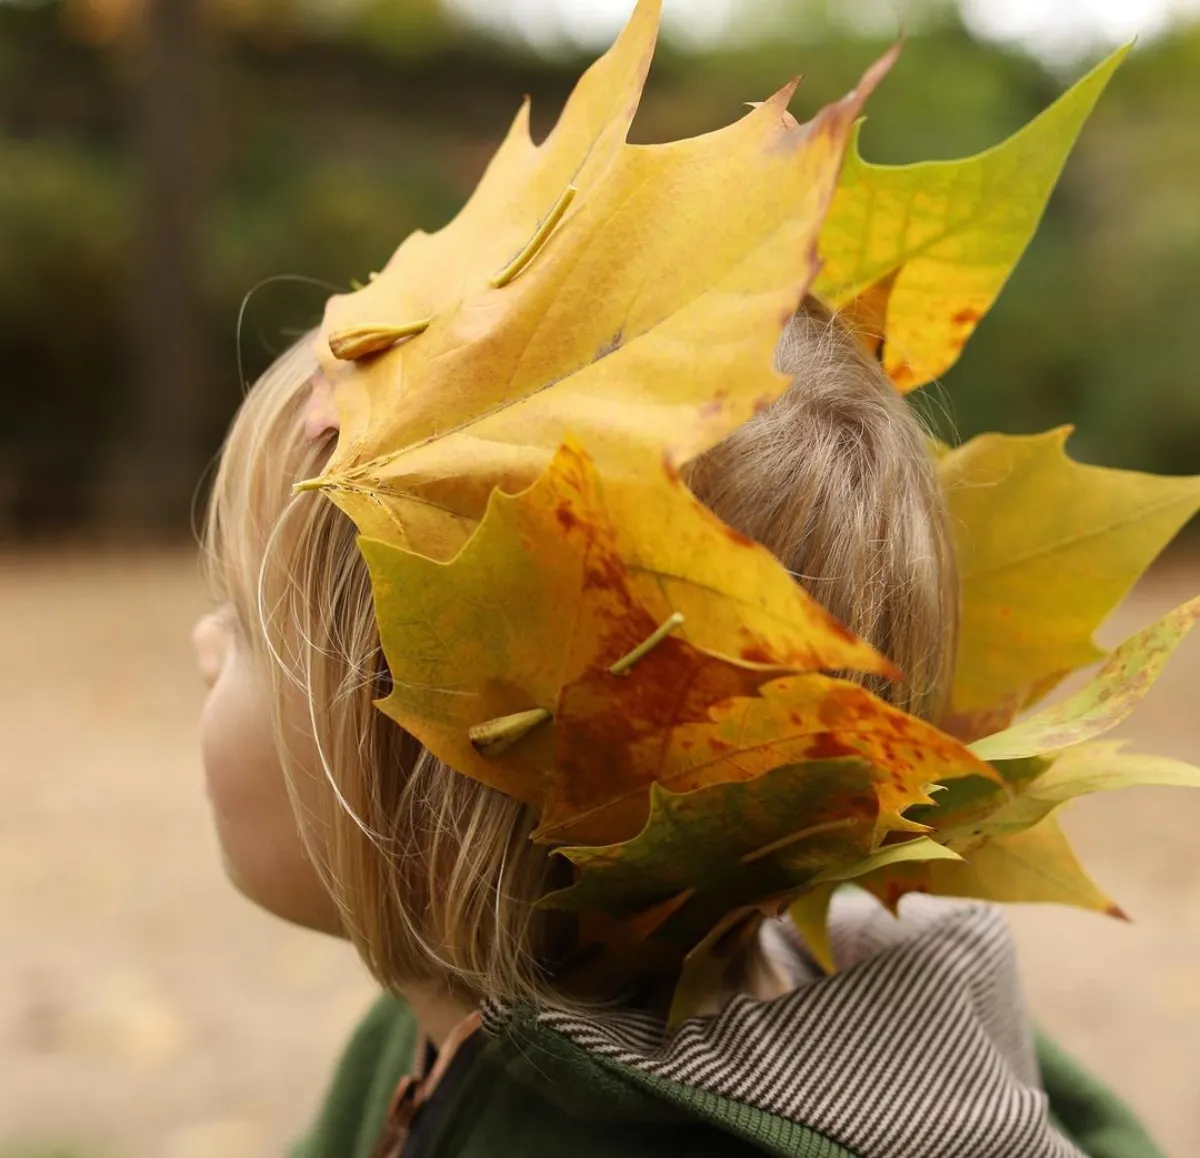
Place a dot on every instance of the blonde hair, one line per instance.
(433, 873)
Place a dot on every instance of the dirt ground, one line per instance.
(146, 1011)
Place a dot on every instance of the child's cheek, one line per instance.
(256, 827)
(238, 750)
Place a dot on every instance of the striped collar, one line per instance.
(917, 1047)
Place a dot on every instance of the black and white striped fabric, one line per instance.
(918, 1047)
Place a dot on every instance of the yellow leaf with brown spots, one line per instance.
(521, 631)
(918, 253)
(792, 720)
(1104, 701)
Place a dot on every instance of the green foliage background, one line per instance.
(322, 146)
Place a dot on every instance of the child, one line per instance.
(432, 876)
(331, 816)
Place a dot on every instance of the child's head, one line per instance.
(331, 816)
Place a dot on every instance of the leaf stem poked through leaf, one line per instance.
(495, 736)
(535, 243)
(622, 666)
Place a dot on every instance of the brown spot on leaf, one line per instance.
(607, 573)
(827, 746)
(567, 519)
(966, 317)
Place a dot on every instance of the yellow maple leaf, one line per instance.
(916, 254)
(558, 585)
(1047, 547)
(432, 273)
(567, 297)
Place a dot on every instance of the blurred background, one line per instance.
(183, 183)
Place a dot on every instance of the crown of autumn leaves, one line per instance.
(566, 623)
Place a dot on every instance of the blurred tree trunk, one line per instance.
(159, 455)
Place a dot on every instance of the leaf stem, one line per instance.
(622, 666)
(359, 341)
(536, 242)
(799, 835)
(495, 736)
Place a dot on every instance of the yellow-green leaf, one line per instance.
(919, 850)
(961, 811)
(1104, 701)
(1047, 547)
(944, 235)
(1081, 771)
(619, 327)
(1007, 836)
(1034, 865)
